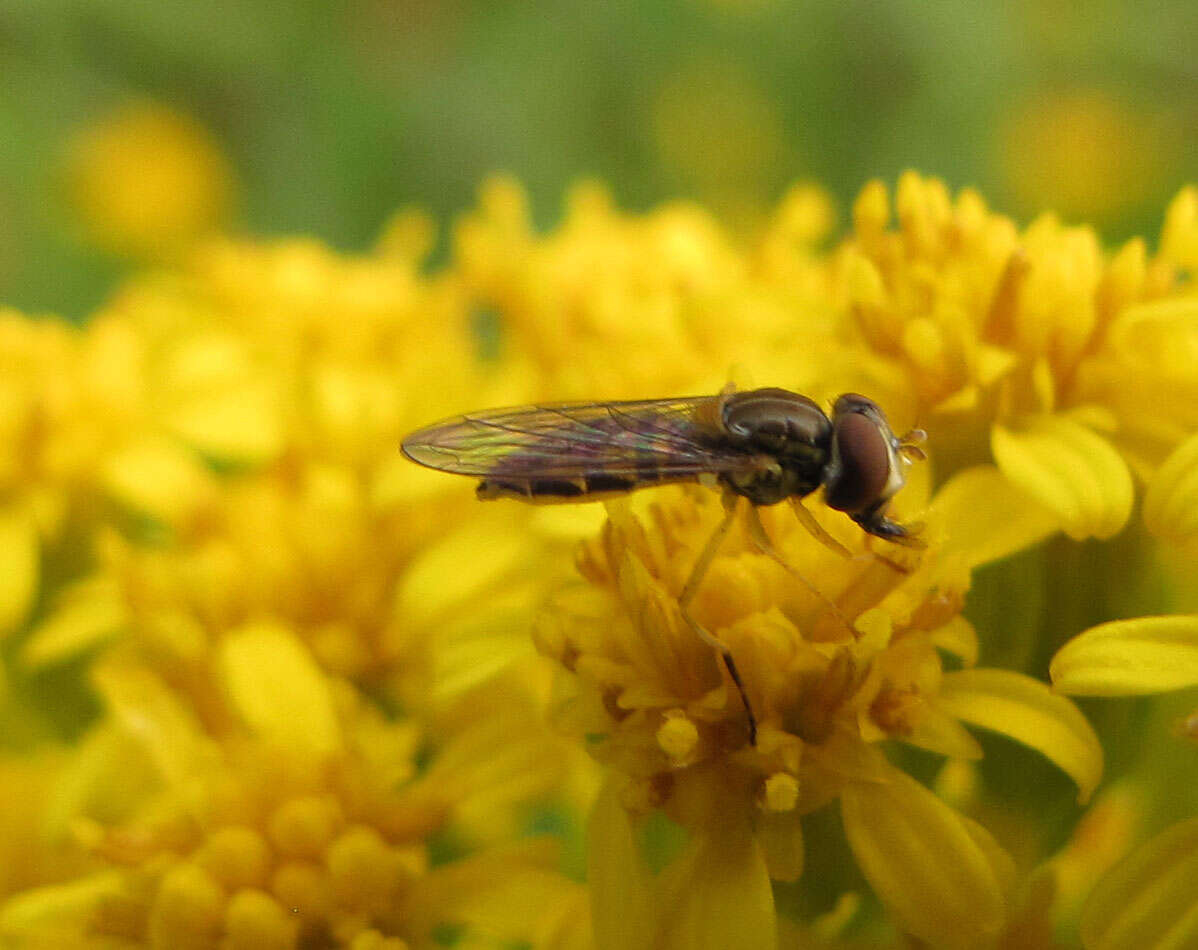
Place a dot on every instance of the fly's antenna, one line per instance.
(910, 444)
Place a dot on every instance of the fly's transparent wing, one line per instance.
(647, 440)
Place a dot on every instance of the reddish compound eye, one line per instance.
(861, 463)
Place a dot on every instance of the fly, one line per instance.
(764, 445)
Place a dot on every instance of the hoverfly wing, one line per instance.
(569, 449)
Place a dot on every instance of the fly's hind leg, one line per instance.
(691, 587)
(762, 540)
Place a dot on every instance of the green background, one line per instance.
(334, 115)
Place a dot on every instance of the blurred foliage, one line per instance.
(334, 115)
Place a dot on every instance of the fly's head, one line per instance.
(867, 465)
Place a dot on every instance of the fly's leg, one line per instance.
(762, 540)
(816, 530)
(807, 520)
(874, 521)
(691, 587)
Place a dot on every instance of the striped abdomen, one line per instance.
(592, 487)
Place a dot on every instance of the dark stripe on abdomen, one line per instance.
(602, 482)
(563, 489)
(555, 488)
(531, 488)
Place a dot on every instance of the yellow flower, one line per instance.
(595, 307)
(615, 305)
(313, 656)
(52, 438)
(1146, 900)
(831, 677)
(1084, 153)
(251, 404)
(1064, 364)
(700, 109)
(1068, 367)
(147, 179)
(288, 812)
(262, 573)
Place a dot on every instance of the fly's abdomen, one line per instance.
(589, 487)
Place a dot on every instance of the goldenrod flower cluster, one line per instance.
(315, 727)
(318, 716)
(1053, 374)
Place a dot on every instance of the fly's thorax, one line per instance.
(790, 432)
(865, 469)
(775, 421)
(772, 482)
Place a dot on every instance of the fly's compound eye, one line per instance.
(863, 470)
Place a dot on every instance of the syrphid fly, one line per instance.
(764, 445)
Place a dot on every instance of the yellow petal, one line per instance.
(622, 893)
(1171, 502)
(1129, 657)
(1179, 237)
(994, 362)
(962, 401)
(476, 648)
(924, 862)
(1148, 900)
(477, 558)
(19, 567)
(941, 733)
(158, 478)
(512, 901)
(984, 517)
(86, 614)
(1070, 470)
(57, 915)
(242, 424)
(781, 837)
(1001, 863)
(1029, 712)
(144, 709)
(279, 690)
(720, 898)
(959, 638)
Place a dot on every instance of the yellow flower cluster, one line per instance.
(147, 181)
(1068, 367)
(831, 675)
(1050, 374)
(311, 731)
(320, 719)
(312, 824)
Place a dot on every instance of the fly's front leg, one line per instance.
(874, 521)
(691, 587)
(816, 530)
(762, 541)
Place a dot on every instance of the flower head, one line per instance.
(288, 812)
(147, 180)
(835, 664)
(1030, 347)
(302, 709)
